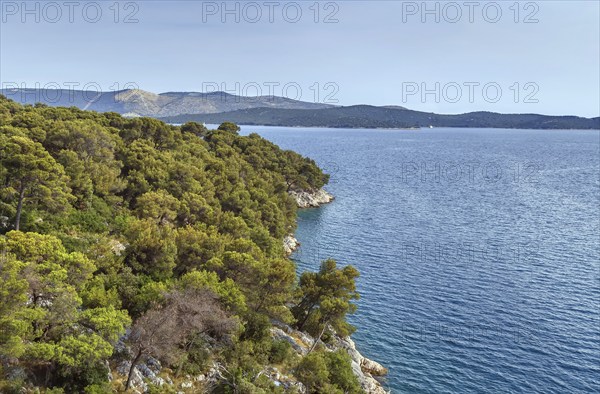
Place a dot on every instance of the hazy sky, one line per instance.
(447, 57)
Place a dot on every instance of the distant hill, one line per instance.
(365, 116)
(136, 102)
(217, 107)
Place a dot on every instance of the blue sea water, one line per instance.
(479, 252)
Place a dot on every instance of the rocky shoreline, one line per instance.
(151, 373)
(311, 198)
(290, 243)
(305, 199)
(364, 368)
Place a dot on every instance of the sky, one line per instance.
(445, 57)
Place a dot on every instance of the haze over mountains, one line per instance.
(217, 107)
(135, 102)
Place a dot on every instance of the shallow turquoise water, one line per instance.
(478, 252)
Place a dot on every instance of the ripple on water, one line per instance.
(478, 285)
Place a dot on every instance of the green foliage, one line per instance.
(152, 249)
(328, 372)
(229, 127)
(45, 324)
(312, 371)
(281, 351)
(31, 176)
(98, 388)
(197, 129)
(325, 297)
(228, 292)
(340, 372)
(128, 217)
(256, 328)
(14, 322)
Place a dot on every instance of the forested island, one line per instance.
(371, 117)
(137, 256)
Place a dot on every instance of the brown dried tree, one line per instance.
(167, 330)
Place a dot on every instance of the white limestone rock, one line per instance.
(311, 198)
(300, 345)
(373, 367)
(290, 243)
(364, 368)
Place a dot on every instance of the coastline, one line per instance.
(407, 128)
(363, 368)
(305, 199)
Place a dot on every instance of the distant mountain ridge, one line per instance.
(135, 102)
(366, 116)
(217, 107)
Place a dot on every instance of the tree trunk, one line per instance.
(300, 325)
(20, 206)
(318, 338)
(133, 364)
(188, 346)
(262, 301)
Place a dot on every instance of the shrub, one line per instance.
(280, 352)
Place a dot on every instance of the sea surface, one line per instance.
(479, 252)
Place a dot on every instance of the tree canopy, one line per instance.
(111, 225)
